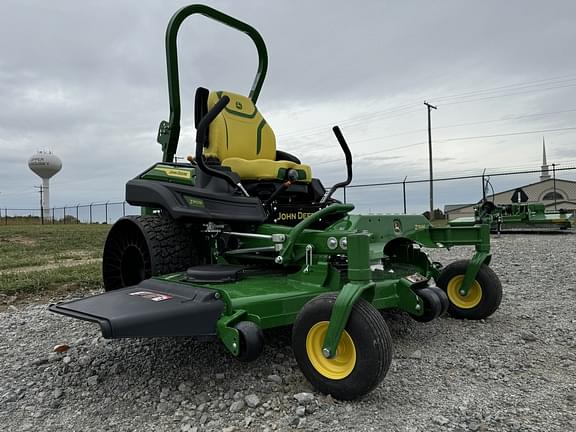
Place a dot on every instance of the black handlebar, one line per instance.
(348, 156)
(202, 133)
(209, 117)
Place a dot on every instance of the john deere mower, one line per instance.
(520, 215)
(243, 238)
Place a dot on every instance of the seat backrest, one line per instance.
(239, 130)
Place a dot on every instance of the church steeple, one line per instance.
(544, 173)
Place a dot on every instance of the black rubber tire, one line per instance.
(443, 300)
(490, 286)
(432, 305)
(139, 247)
(251, 341)
(371, 339)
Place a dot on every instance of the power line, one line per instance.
(506, 119)
(558, 80)
(444, 127)
(412, 131)
(496, 171)
(402, 108)
(376, 152)
(507, 134)
(351, 121)
(507, 94)
(451, 178)
(451, 140)
(508, 168)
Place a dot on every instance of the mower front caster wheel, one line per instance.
(363, 355)
(483, 298)
(251, 341)
(435, 304)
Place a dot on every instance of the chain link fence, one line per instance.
(453, 197)
(456, 196)
(93, 213)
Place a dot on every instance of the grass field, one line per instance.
(36, 258)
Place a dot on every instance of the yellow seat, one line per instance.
(242, 140)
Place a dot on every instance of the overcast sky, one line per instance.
(87, 80)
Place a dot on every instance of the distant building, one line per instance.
(541, 191)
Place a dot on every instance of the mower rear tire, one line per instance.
(139, 247)
(251, 341)
(363, 355)
(483, 298)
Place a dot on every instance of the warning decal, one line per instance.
(153, 296)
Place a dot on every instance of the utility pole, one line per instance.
(404, 192)
(554, 173)
(483, 186)
(429, 107)
(41, 190)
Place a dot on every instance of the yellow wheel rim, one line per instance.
(472, 299)
(338, 367)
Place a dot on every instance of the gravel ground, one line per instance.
(515, 371)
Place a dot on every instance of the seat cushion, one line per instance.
(264, 169)
(242, 140)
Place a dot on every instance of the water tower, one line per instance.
(45, 165)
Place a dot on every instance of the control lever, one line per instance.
(201, 133)
(348, 156)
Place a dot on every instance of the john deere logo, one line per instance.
(397, 226)
(239, 105)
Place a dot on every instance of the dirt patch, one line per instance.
(26, 241)
(54, 265)
(78, 254)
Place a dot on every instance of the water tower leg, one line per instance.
(46, 198)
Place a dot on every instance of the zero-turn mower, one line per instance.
(519, 216)
(244, 238)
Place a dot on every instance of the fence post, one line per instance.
(6, 215)
(106, 212)
(52, 215)
(77, 216)
(91, 212)
(483, 186)
(404, 192)
(554, 174)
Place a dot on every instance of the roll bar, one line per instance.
(169, 131)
